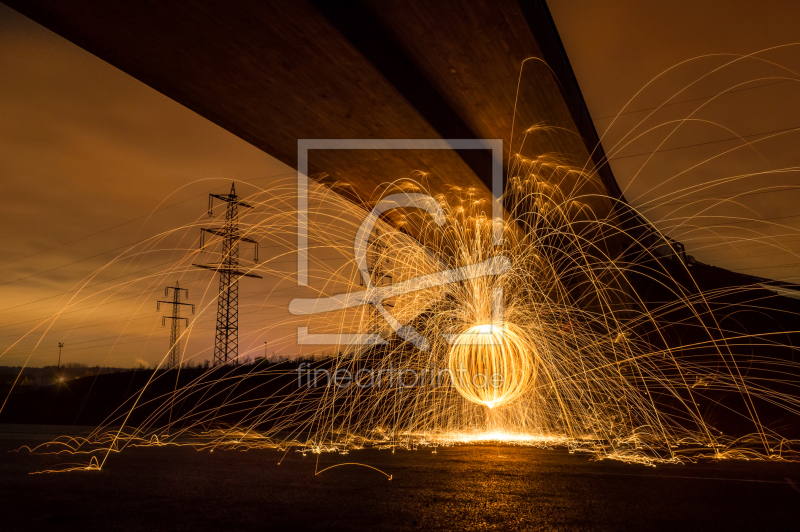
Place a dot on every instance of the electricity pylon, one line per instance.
(174, 357)
(376, 256)
(226, 343)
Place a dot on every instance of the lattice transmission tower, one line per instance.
(379, 274)
(226, 343)
(174, 357)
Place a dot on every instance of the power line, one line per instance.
(174, 358)
(100, 254)
(124, 223)
(226, 343)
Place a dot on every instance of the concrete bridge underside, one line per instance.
(275, 72)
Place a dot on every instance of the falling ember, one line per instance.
(541, 337)
(492, 364)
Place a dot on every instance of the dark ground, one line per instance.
(470, 487)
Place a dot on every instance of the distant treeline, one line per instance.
(23, 377)
(49, 374)
(107, 397)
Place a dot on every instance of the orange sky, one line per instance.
(85, 148)
(616, 47)
(87, 154)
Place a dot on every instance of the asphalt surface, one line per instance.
(468, 487)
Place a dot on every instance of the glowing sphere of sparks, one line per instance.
(491, 364)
